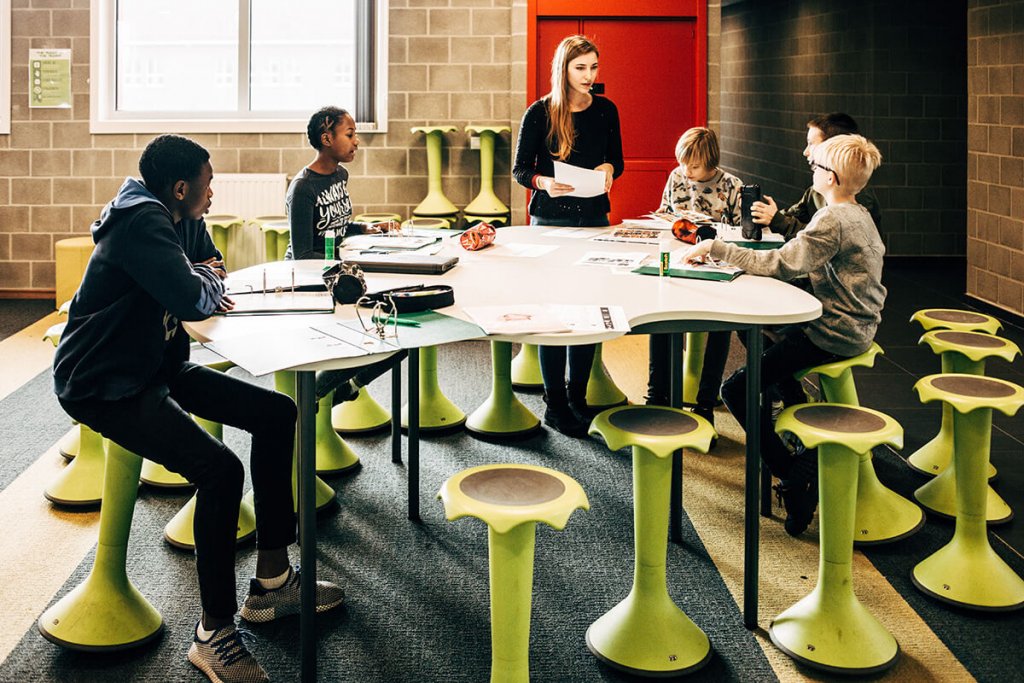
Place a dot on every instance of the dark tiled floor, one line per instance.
(889, 385)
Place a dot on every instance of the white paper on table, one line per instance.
(516, 319)
(586, 182)
(677, 260)
(386, 241)
(280, 275)
(573, 233)
(612, 259)
(593, 318)
(524, 250)
(734, 233)
(647, 223)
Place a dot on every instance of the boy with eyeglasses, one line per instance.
(841, 254)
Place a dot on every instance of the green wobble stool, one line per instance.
(70, 443)
(526, 369)
(883, 516)
(333, 455)
(961, 352)
(436, 223)
(511, 499)
(158, 476)
(602, 391)
(437, 412)
(487, 206)
(106, 612)
(222, 227)
(830, 629)
(374, 218)
(693, 365)
(325, 496)
(502, 415)
(955, 319)
(276, 235)
(647, 634)
(435, 204)
(966, 571)
(361, 415)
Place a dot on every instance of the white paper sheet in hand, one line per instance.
(586, 182)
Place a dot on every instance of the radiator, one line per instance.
(248, 195)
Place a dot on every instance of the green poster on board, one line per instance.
(49, 79)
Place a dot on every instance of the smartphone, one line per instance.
(748, 195)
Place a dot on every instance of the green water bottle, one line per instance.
(329, 245)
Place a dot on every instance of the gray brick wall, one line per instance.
(899, 68)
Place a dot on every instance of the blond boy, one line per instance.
(698, 184)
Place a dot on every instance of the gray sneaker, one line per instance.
(266, 604)
(225, 659)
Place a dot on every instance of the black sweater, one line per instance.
(598, 141)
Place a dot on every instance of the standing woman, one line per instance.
(574, 126)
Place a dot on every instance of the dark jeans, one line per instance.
(552, 369)
(779, 362)
(156, 424)
(716, 353)
(576, 222)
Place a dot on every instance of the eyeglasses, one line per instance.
(814, 164)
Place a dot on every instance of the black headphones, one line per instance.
(412, 299)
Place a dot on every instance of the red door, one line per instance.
(653, 66)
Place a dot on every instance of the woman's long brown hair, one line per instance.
(559, 112)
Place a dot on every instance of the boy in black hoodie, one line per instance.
(122, 369)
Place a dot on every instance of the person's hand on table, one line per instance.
(226, 304)
(217, 265)
(763, 212)
(553, 187)
(699, 252)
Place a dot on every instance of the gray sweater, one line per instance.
(841, 254)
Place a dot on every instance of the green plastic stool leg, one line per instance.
(693, 364)
(437, 412)
(69, 444)
(502, 414)
(159, 476)
(220, 239)
(647, 634)
(830, 629)
(179, 532)
(966, 571)
(283, 238)
(333, 455)
(486, 203)
(270, 245)
(526, 369)
(435, 203)
(325, 496)
(81, 482)
(511, 581)
(934, 457)
(601, 389)
(883, 516)
(359, 416)
(106, 612)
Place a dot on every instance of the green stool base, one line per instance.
(526, 369)
(80, 484)
(952, 574)
(807, 632)
(656, 639)
(161, 477)
(360, 416)
(502, 415)
(437, 412)
(938, 496)
(179, 531)
(326, 497)
(693, 365)
(934, 457)
(883, 516)
(69, 444)
(601, 389)
(333, 455)
(498, 221)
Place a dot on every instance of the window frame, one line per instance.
(371, 110)
(5, 67)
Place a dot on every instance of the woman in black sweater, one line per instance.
(571, 125)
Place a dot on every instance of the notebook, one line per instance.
(427, 264)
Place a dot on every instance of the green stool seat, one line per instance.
(502, 415)
(967, 572)
(646, 633)
(437, 412)
(511, 499)
(106, 612)
(373, 218)
(360, 415)
(602, 391)
(883, 516)
(418, 223)
(961, 352)
(276, 235)
(222, 227)
(955, 319)
(435, 203)
(830, 629)
(499, 221)
(526, 369)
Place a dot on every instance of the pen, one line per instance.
(398, 321)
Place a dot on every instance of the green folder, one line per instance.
(692, 274)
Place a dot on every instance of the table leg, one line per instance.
(414, 435)
(305, 438)
(753, 478)
(396, 409)
(675, 396)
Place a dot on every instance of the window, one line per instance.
(5, 67)
(235, 65)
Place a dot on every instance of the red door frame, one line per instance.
(696, 9)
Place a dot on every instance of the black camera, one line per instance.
(748, 195)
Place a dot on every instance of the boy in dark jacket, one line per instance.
(122, 369)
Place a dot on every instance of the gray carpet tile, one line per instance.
(17, 314)
(31, 421)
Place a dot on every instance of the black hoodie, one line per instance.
(141, 280)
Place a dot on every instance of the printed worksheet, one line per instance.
(612, 259)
